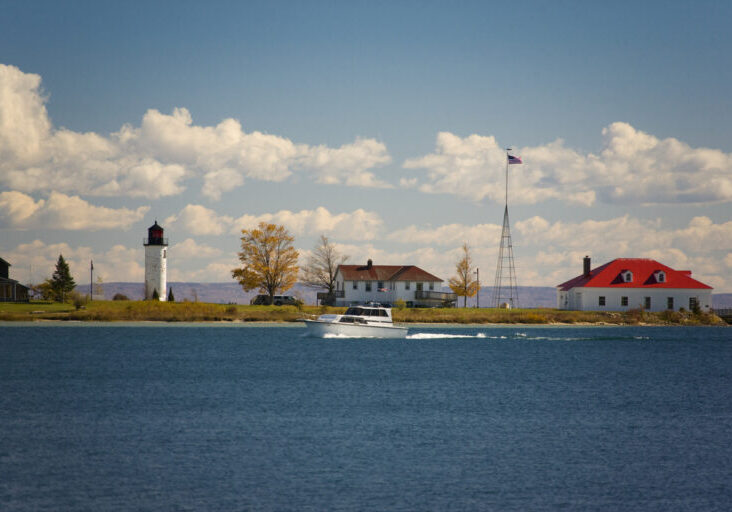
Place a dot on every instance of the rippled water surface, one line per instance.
(223, 417)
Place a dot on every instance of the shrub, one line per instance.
(400, 304)
(120, 296)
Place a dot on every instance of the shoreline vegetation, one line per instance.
(135, 311)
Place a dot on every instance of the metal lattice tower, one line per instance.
(505, 287)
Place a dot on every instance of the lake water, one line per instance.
(236, 417)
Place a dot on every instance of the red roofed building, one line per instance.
(358, 284)
(628, 283)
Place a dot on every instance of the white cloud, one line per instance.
(36, 261)
(348, 164)
(200, 220)
(190, 249)
(59, 211)
(450, 234)
(358, 224)
(633, 167)
(157, 158)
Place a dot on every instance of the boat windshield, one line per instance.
(356, 311)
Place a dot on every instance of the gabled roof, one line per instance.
(644, 276)
(385, 273)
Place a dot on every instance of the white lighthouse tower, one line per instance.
(156, 266)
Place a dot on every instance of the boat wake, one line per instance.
(446, 335)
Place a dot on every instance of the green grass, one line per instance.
(112, 311)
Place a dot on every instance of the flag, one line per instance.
(514, 159)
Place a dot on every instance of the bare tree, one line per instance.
(321, 267)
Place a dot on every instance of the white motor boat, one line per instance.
(368, 321)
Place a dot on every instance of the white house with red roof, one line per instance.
(358, 284)
(628, 283)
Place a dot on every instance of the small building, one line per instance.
(10, 289)
(156, 263)
(358, 284)
(631, 283)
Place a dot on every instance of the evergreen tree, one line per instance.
(156, 295)
(171, 298)
(61, 281)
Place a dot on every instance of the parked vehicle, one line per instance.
(277, 300)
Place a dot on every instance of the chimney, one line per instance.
(369, 264)
(586, 266)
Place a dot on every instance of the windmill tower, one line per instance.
(505, 287)
(156, 266)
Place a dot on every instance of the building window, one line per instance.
(628, 276)
(693, 303)
(355, 285)
(670, 303)
(647, 303)
(419, 287)
(432, 285)
(406, 285)
(368, 286)
(623, 301)
(381, 285)
(601, 300)
(660, 276)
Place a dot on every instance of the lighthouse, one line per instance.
(156, 266)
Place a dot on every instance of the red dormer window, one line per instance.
(660, 276)
(627, 276)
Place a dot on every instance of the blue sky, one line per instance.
(379, 124)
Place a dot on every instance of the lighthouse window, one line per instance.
(165, 253)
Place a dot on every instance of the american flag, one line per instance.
(514, 159)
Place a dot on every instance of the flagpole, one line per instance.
(507, 150)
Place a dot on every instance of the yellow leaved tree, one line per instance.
(269, 260)
(463, 283)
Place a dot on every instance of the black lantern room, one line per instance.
(155, 235)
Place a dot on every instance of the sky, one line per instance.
(381, 125)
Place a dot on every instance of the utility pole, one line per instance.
(91, 280)
(477, 294)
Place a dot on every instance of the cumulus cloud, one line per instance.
(59, 211)
(448, 235)
(35, 261)
(157, 158)
(190, 249)
(200, 220)
(632, 167)
(358, 224)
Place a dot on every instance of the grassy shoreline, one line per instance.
(135, 311)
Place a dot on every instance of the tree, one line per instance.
(171, 297)
(156, 295)
(269, 260)
(61, 281)
(322, 265)
(463, 283)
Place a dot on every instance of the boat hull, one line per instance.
(320, 329)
